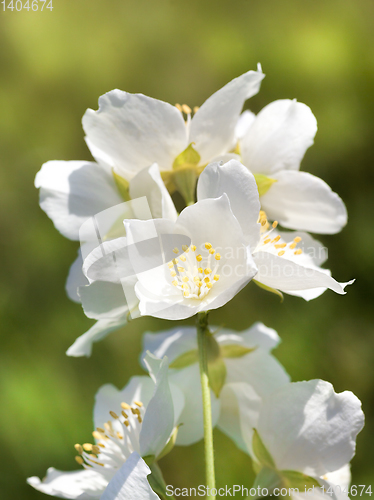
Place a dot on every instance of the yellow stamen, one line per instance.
(199, 258)
(280, 245)
(196, 109)
(179, 107)
(207, 270)
(185, 279)
(127, 423)
(79, 448)
(97, 435)
(216, 277)
(79, 460)
(211, 251)
(282, 252)
(200, 270)
(217, 256)
(186, 109)
(186, 293)
(209, 285)
(277, 238)
(183, 258)
(293, 245)
(180, 269)
(170, 265)
(208, 246)
(175, 250)
(193, 248)
(99, 429)
(87, 446)
(267, 241)
(207, 279)
(199, 283)
(125, 406)
(175, 283)
(114, 415)
(185, 248)
(298, 251)
(173, 274)
(297, 239)
(124, 414)
(275, 223)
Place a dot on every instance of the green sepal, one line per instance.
(217, 373)
(186, 359)
(216, 366)
(170, 444)
(122, 185)
(235, 350)
(185, 179)
(269, 289)
(267, 478)
(294, 479)
(149, 459)
(187, 157)
(264, 183)
(261, 452)
(157, 482)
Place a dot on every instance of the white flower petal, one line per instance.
(158, 422)
(259, 370)
(75, 279)
(109, 398)
(245, 120)
(286, 275)
(191, 418)
(258, 335)
(73, 191)
(213, 126)
(278, 137)
(171, 343)
(148, 182)
(240, 186)
(307, 427)
(83, 344)
(134, 131)
(240, 409)
(80, 484)
(103, 300)
(299, 200)
(130, 482)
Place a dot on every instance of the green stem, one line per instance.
(202, 331)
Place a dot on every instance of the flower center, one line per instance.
(114, 443)
(275, 245)
(195, 274)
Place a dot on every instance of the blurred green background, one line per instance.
(56, 64)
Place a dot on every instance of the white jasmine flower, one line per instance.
(303, 433)
(233, 357)
(281, 263)
(272, 145)
(141, 419)
(131, 131)
(231, 242)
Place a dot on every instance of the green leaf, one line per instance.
(269, 289)
(294, 479)
(187, 157)
(186, 359)
(235, 350)
(267, 478)
(262, 454)
(264, 183)
(170, 444)
(122, 185)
